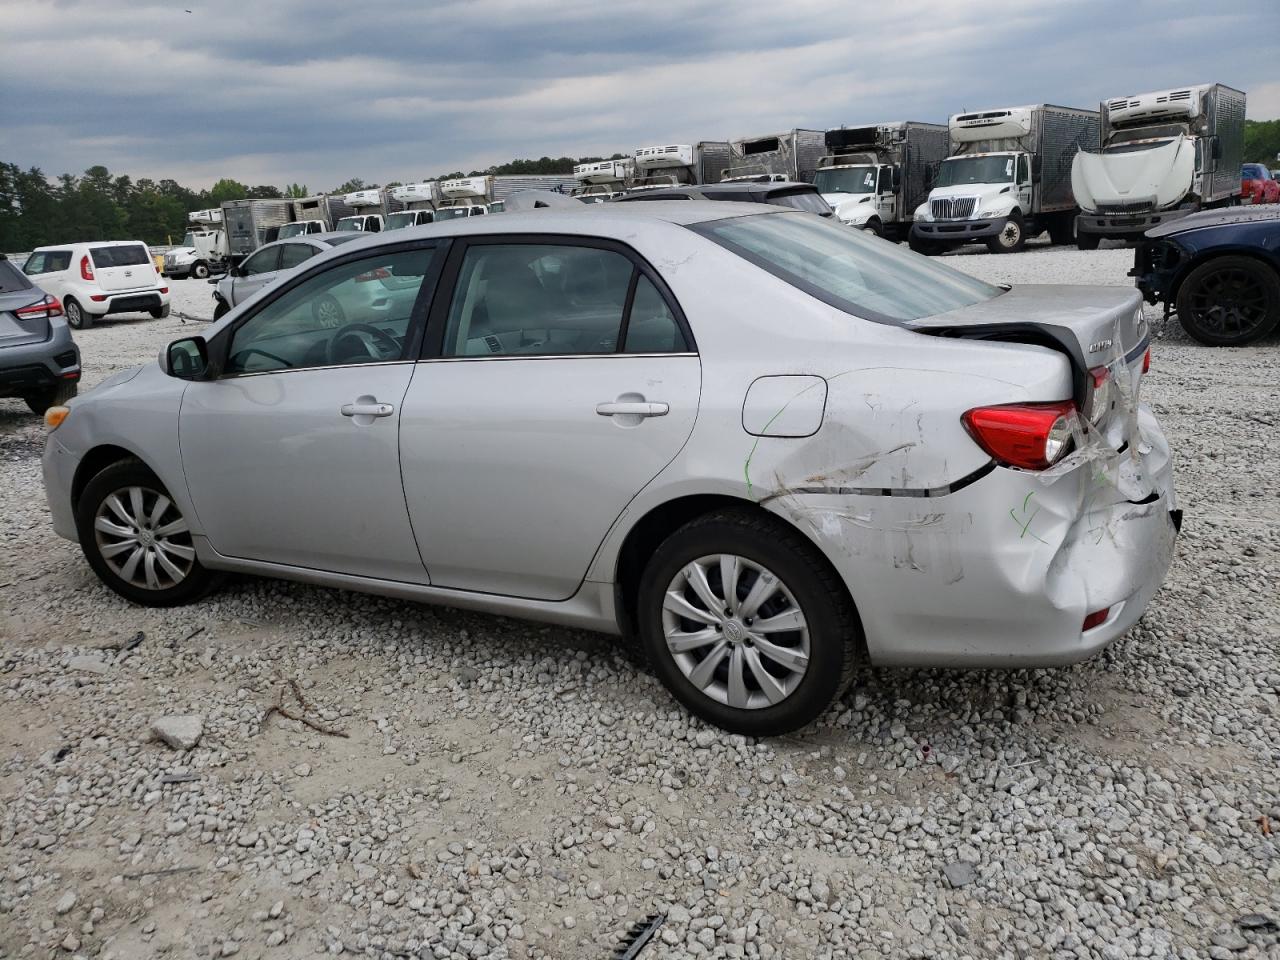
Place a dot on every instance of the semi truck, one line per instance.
(1007, 179)
(464, 197)
(602, 180)
(416, 203)
(875, 176)
(1162, 156)
(689, 164)
(203, 249)
(793, 155)
(366, 215)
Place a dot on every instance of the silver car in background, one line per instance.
(764, 445)
(267, 264)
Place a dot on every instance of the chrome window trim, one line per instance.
(613, 355)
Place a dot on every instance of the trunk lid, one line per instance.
(124, 266)
(16, 291)
(1094, 326)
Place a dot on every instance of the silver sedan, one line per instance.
(767, 448)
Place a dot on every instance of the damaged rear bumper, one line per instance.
(1004, 571)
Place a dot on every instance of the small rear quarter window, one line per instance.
(12, 279)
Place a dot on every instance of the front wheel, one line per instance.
(1087, 241)
(52, 396)
(328, 312)
(221, 310)
(200, 270)
(874, 226)
(928, 248)
(77, 319)
(1229, 301)
(137, 540)
(1011, 237)
(747, 624)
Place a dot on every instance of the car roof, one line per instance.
(90, 243)
(1216, 218)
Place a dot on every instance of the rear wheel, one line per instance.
(160, 312)
(1011, 237)
(77, 319)
(1229, 301)
(200, 270)
(53, 396)
(746, 624)
(221, 310)
(136, 539)
(1087, 241)
(1062, 229)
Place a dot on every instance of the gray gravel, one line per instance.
(515, 790)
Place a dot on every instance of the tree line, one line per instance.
(36, 210)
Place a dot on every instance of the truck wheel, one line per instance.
(927, 247)
(200, 270)
(1088, 241)
(58, 394)
(874, 226)
(1229, 301)
(77, 319)
(1011, 237)
(1062, 229)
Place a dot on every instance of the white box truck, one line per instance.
(251, 223)
(670, 165)
(1163, 155)
(203, 249)
(366, 215)
(464, 197)
(417, 204)
(1007, 179)
(792, 155)
(875, 176)
(602, 180)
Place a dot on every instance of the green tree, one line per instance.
(296, 191)
(225, 190)
(1262, 142)
(351, 186)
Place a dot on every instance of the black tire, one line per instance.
(77, 317)
(200, 270)
(834, 634)
(928, 248)
(1229, 301)
(221, 310)
(874, 226)
(1011, 238)
(160, 313)
(53, 396)
(328, 312)
(1087, 241)
(197, 582)
(1062, 229)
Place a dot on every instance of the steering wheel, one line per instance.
(368, 344)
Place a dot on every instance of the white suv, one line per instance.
(95, 279)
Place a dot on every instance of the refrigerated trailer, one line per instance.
(1163, 155)
(366, 211)
(251, 223)
(602, 180)
(792, 155)
(464, 197)
(875, 176)
(689, 164)
(1008, 178)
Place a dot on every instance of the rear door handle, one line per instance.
(365, 409)
(634, 408)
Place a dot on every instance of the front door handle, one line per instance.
(633, 408)
(367, 407)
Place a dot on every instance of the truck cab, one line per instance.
(602, 180)
(368, 206)
(417, 202)
(465, 197)
(298, 228)
(203, 248)
(364, 222)
(409, 218)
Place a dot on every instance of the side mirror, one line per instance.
(186, 359)
(897, 177)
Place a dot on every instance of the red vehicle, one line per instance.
(1257, 185)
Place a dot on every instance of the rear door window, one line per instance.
(127, 255)
(58, 261)
(12, 279)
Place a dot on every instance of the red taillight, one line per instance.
(1095, 619)
(1146, 360)
(1098, 402)
(1032, 436)
(164, 289)
(97, 297)
(86, 269)
(40, 310)
(382, 273)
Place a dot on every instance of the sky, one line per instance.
(320, 91)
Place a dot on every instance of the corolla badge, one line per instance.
(1100, 346)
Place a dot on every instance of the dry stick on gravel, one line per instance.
(279, 707)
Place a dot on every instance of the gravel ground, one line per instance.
(515, 790)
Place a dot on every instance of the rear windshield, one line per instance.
(129, 255)
(335, 241)
(808, 200)
(12, 279)
(846, 268)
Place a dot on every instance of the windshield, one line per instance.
(189, 240)
(1254, 171)
(994, 168)
(847, 269)
(293, 230)
(351, 223)
(449, 213)
(405, 219)
(808, 200)
(846, 180)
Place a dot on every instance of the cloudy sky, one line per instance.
(317, 91)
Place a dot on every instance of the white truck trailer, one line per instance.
(875, 176)
(602, 180)
(669, 165)
(416, 202)
(366, 215)
(464, 197)
(1163, 155)
(203, 249)
(1008, 178)
(792, 155)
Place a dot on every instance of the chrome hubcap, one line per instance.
(329, 314)
(1011, 233)
(735, 631)
(143, 538)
